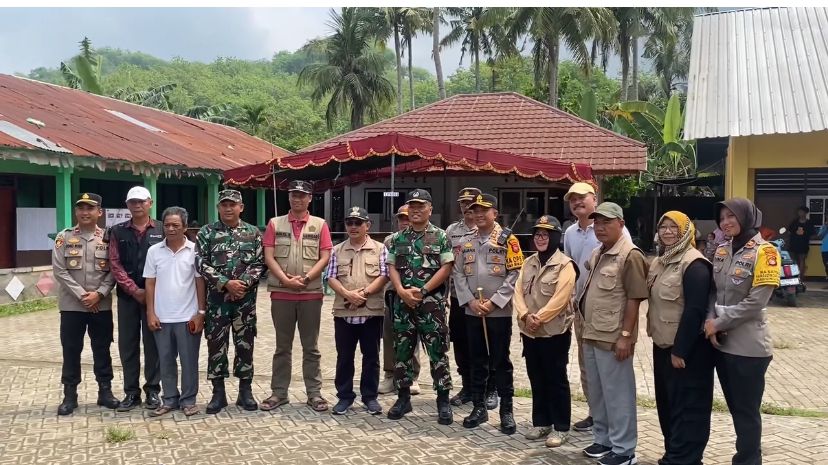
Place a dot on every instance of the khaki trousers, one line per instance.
(287, 316)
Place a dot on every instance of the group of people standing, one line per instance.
(702, 314)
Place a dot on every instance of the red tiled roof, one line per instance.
(78, 121)
(510, 122)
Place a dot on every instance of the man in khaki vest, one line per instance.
(357, 273)
(297, 249)
(615, 287)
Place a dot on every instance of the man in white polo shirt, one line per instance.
(175, 311)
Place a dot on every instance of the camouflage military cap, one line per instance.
(231, 195)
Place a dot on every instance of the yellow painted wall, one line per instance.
(747, 154)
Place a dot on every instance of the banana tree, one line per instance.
(84, 70)
(669, 155)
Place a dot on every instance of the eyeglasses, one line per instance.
(672, 229)
(354, 223)
(542, 235)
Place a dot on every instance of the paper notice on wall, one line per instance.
(33, 228)
(116, 215)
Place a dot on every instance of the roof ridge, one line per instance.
(579, 119)
(740, 10)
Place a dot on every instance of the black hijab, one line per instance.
(748, 216)
(554, 244)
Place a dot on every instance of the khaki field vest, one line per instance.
(296, 257)
(605, 299)
(356, 269)
(666, 302)
(539, 285)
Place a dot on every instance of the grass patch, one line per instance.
(28, 306)
(770, 409)
(719, 405)
(782, 344)
(116, 434)
(163, 434)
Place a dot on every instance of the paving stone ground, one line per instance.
(31, 432)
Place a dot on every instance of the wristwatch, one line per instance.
(306, 279)
(424, 291)
(626, 334)
(202, 312)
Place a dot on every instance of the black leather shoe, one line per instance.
(462, 397)
(245, 399)
(153, 401)
(478, 416)
(400, 408)
(70, 400)
(130, 402)
(219, 399)
(444, 414)
(491, 400)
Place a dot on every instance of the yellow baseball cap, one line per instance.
(580, 188)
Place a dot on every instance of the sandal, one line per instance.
(318, 403)
(162, 410)
(190, 410)
(272, 402)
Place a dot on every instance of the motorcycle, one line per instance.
(790, 283)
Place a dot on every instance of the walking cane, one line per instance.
(485, 328)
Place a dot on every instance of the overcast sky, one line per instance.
(33, 37)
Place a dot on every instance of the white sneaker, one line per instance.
(538, 432)
(556, 438)
(386, 386)
(415, 388)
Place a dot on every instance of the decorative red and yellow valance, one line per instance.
(366, 159)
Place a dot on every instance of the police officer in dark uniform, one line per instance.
(80, 263)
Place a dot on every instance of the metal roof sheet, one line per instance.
(512, 123)
(93, 125)
(758, 71)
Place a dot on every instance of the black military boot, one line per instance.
(507, 418)
(245, 399)
(70, 400)
(219, 399)
(477, 416)
(491, 399)
(464, 396)
(402, 405)
(105, 397)
(444, 414)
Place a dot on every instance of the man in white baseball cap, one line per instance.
(128, 244)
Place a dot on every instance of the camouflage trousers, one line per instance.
(219, 321)
(428, 321)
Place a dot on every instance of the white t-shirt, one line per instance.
(175, 274)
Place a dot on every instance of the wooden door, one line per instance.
(8, 228)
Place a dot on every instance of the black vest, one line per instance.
(131, 252)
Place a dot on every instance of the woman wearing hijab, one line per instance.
(745, 273)
(680, 288)
(542, 301)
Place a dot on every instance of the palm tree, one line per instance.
(253, 117)
(412, 21)
(548, 26)
(670, 53)
(436, 18)
(221, 113)
(86, 74)
(154, 97)
(471, 28)
(382, 23)
(353, 74)
(634, 23)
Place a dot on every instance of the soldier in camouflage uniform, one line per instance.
(229, 256)
(420, 260)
